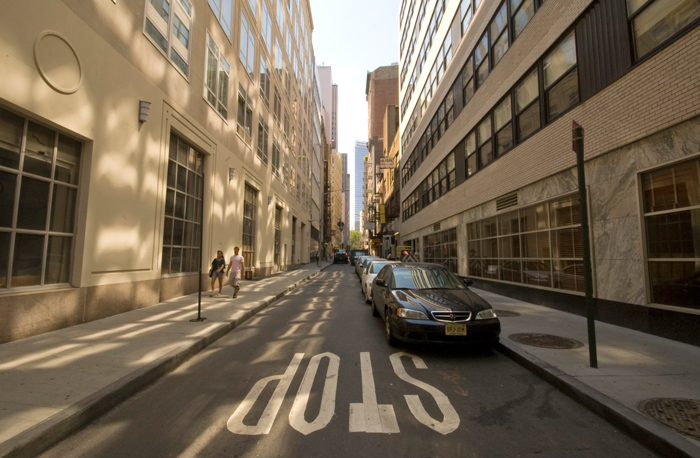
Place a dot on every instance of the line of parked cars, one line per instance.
(421, 302)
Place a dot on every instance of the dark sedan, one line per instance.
(340, 255)
(427, 302)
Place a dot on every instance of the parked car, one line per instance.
(361, 263)
(341, 255)
(370, 273)
(426, 302)
(354, 254)
(530, 272)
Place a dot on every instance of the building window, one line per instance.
(522, 12)
(483, 132)
(254, 6)
(38, 190)
(277, 108)
(470, 154)
(481, 60)
(499, 34)
(223, 10)
(441, 248)
(539, 245)
(672, 222)
(275, 158)
(247, 46)
(654, 22)
(466, 14)
(278, 236)
(264, 82)
(216, 86)
(266, 27)
(245, 116)
(561, 78)
(182, 226)
(168, 24)
(503, 127)
(468, 80)
(527, 106)
(262, 140)
(250, 210)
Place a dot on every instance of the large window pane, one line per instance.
(659, 21)
(563, 95)
(27, 260)
(522, 16)
(8, 183)
(560, 60)
(38, 155)
(34, 202)
(68, 160)
(674, 235)
(58, 260)
(526, 92)
(11, 127)
(63, 209)
(675, 283)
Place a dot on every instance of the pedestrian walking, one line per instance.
(217, 271)
(236, 267)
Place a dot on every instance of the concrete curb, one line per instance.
(54, 429)
(645, 431)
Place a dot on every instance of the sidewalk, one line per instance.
(55, 383)
(632, 367)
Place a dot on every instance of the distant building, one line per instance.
(329, 94)
(358, 182)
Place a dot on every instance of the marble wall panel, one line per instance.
(614, 198)
(617, 239)
(621, 281)
(675, 143)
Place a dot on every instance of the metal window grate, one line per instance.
(507, 201)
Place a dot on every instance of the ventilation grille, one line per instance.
(510, 200)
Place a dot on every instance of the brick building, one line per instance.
(488, 93)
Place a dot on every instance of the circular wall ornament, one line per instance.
(57, 62)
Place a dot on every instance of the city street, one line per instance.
(312, 375)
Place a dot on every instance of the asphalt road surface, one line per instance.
(312, 376)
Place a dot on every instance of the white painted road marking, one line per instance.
(325, 415)
(369, 416)
(451, 418)
(235, 422)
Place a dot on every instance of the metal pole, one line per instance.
(588, 271)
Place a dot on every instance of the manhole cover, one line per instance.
(546, 341)
(506, 314)
(683, 415)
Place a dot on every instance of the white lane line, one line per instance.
(235, 422)
(327, 410)
(450, 421)
(369, 416)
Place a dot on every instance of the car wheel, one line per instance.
(371, 303)
(390, 339)
(367, 298)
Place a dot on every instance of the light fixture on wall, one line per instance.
(143, 110)
(231, 172)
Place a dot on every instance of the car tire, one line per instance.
(368, 299)
(374, 309)
(390, 339)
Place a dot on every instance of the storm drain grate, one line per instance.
(546, 341)
(506, 313)
(683, 415)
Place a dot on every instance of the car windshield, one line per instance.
(376, 267)
(425, 277)
(341, 251)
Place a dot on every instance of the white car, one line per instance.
(369, 273)
(361, 263)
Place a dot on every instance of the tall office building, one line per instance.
(128, 159)
(358, 183)
(329, 95)
(489, 91)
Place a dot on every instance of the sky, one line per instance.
(354, 37)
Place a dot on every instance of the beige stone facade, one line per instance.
(79, 71)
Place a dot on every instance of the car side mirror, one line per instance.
(466, 281)
(380, 282)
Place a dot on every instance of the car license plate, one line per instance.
(456, 329)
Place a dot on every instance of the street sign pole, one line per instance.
(577, 132)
